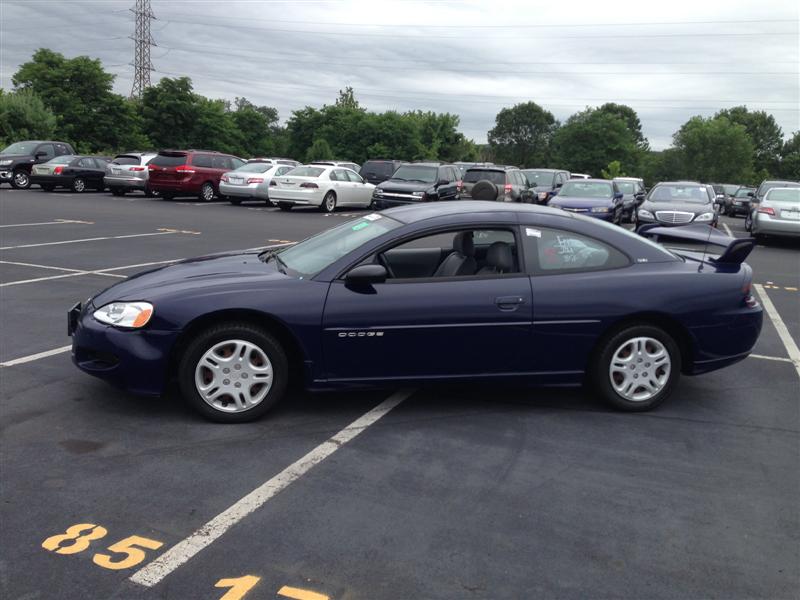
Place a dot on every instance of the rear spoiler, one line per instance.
(736, 249)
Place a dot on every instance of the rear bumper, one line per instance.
(129, 183)
(723, 344)
(244, 191)
(53, 180)
(770, 226)
(312, 198)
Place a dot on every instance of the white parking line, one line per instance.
(184, 550)
(66, 275)
(97, 239)
(780, 327)
(776, 358)
(78, 273)
(37, 356)
(56, 222)
(728, 230)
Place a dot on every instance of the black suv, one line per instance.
(418, 182)
(546, 182)
(377, 171)
(504, 184)
(18, 159)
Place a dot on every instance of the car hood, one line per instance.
(577, 202)
(393, 185)
(677, 206)
(225, 271)
(15, 156)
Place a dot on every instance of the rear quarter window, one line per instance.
(203, 161)
(555, 251)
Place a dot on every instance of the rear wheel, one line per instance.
(167, 196)
(285, 206)
(78, 185)
(233, 372)
(328, 203)
(207, 192)
(637, 368)
(20, 180)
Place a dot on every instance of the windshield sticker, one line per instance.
(359, 226)
(373, 217)
(530, 232)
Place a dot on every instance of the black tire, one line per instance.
(285, 206)
(328, 202)
(601, 378)
(204, 341)
(166, 196)
(206, 192)
(78, 185)
(150, 193)
(484, 190)
(47, 188)
(115, 191)
(748, 222)
(234, 200)
(20, 180)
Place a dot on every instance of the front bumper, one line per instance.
(6, 175)
(136, 361)
(129, 183)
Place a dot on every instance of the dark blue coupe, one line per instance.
(447, 291)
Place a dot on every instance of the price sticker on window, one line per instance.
(531, 232)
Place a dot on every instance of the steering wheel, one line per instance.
(385, 264)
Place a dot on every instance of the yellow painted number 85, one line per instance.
(80, 540)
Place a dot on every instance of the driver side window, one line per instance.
(458, 253)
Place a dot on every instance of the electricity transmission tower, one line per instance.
(142, 41)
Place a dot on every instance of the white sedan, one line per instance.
(325, 187)
(250, 181)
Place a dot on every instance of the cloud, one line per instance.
(669, 61)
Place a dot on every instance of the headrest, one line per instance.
(500, 256)
(463, 243)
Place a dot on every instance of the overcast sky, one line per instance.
(668, 60)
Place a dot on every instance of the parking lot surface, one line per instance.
(445, 492)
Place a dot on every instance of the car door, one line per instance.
(362, 191)
(429, 327)
(95, 174)
(345, 193)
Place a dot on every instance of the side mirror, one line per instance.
(639, 195)
(618, 195)
(40, 155)
(365, 275)
(751, 194)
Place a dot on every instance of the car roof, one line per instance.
(546, 170)
(411, 213)
(680, 183)
(595, 180)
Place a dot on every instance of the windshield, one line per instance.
(783, 195)
(626, 187)
(475, 175)
(730, 189)
(540, 178)
(692, 194)
(416, 173)
(305, 172)
(20, 148)
(126, 159)
(254, 168)
(311, 256)
(743, 192)
(586, 189)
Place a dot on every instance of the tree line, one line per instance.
(72, 99)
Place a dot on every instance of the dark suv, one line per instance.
(418, 182)
(546, 182)
(18, 159)
(378, 171)
(189, 172)
(504, 184)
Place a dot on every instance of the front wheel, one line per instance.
(207, 192)
(328, 203)
(233, 372)
(20, 180)
(637, 368)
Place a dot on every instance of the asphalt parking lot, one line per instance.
(469, 492)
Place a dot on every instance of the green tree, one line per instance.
(23, 116)
(79, 92)
(627, 114)
(522, 135)
(591, 139)
(790, 158)
(169, 110)
(714, 149)
(614, 170)
(765, 134)
(665, 165)
(347, 99)
(320, 150)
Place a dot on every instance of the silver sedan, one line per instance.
(250, 181)
(778, 213)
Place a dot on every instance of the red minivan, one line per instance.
(189, 172)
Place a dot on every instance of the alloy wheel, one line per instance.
(21, 179)
(640, 368)
(330, 202)
(208, 193)
(233, 376)
(79, 185)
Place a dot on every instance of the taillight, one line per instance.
(57, 170)
(767, 210)
(749, 300)
(459, 185)
(256, 180)
(309, 184)
(184, 169)
(507, 189)
(137, 169)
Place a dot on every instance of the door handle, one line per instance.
(509, 303)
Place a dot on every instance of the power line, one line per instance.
(142, 65)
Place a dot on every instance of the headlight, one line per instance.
(418, 194)
(600, 209)
(542, 195)
(125, 314)
(645, 213)
(704, 217)
(5, 162)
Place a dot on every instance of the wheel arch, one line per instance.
(295, 353)
(669, 324)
